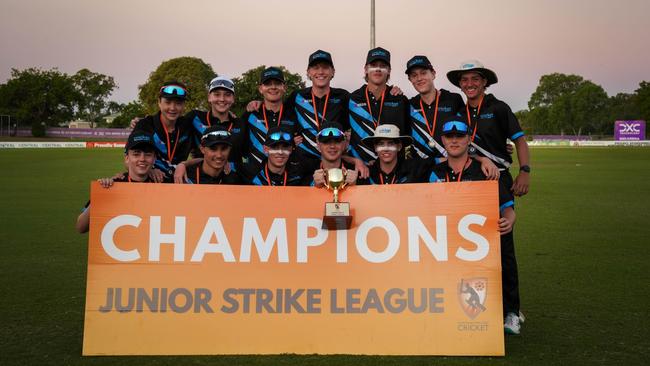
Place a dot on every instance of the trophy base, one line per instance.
(337, 216)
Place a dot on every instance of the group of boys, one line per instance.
(374, 134)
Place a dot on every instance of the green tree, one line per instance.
(553, 86)
(622, 106)
(192, 71)
(93, 90)
(246, 86)
(129, 111)
(643, 100)
(39, 98)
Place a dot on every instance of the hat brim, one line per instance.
(140, 145)
(221, 87)
(378, 58)
(426, 67)
(454, 75)
(272, 78)
(371, 140)
(216, 142)
(315, 61)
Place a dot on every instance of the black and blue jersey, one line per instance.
(260, 175)
(492, 123)
(258, 123)
(412, 170)
(196, 175)
(429, 124)
(388, 109)
(311, 112)
(201, 120)
(171, 146)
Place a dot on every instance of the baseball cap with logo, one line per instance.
(378, 54)
(216, 135)
(271, 73)
(418, 61)
(472, 66)
(139, 140)
(320, 56)
(222, 82)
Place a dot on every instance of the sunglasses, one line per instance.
(217, 134)
(280, 137)
(454, 126)
(222, 84)
(173, 90)
(330, 132)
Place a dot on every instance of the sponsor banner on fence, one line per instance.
(199, 269)
(40, 145)
(99, 144)
(629, 130)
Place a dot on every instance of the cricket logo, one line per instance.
(472, 293)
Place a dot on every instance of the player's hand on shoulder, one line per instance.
(156, 175)
(319, 178)
(395, 90)
(106, 182)
(351, 177)
(253, 105)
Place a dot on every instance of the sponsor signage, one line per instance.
(629, 130)
(198, 269)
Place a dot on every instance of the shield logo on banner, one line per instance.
(472, 293)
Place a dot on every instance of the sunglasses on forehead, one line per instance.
(280, 137)
(216, 134)
(330, 132)
(222, 84)
(454, 126)
(173, 90)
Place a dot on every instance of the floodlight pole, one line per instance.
(372, 24)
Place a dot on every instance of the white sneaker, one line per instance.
(522, 318)
(512, 324)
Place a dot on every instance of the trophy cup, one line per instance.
(337, 214)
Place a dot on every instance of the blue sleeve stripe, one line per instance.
(506, 205)
(354, 108)
(257, 181)
(416, 115)
(516, 136)
(433, 178)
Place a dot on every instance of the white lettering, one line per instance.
(482, 245)
(213, 228)
(418, 231)
(108, 234)
(303, 241)
(393, 240)
(177, 238)
(251, 234)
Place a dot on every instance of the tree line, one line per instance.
(561, 104)
(569, 104)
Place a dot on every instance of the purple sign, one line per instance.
(89, 133)
(629, 130)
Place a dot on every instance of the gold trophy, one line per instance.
(337, 214)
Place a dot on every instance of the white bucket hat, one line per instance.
(386, 132)
(472, 65)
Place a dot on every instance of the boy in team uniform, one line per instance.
(216, 145)
(139, 158)
(172, 134)
(374, 104)
(279, 167)
(332, 144)
(391, 167)
(269, 114)
(492, 123)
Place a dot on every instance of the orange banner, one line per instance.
(199, 269)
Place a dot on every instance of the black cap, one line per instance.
(278, 135)
(271, 73)
(418, 61)
(216, 135)
(378, 53)
(141, 140)
(320, 56)
(173, 90)
(331, 131)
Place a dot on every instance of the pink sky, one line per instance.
(604, 41)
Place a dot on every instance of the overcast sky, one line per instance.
(604, 41)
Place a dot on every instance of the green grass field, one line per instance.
(582, 245)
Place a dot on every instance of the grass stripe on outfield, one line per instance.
(581, 236)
